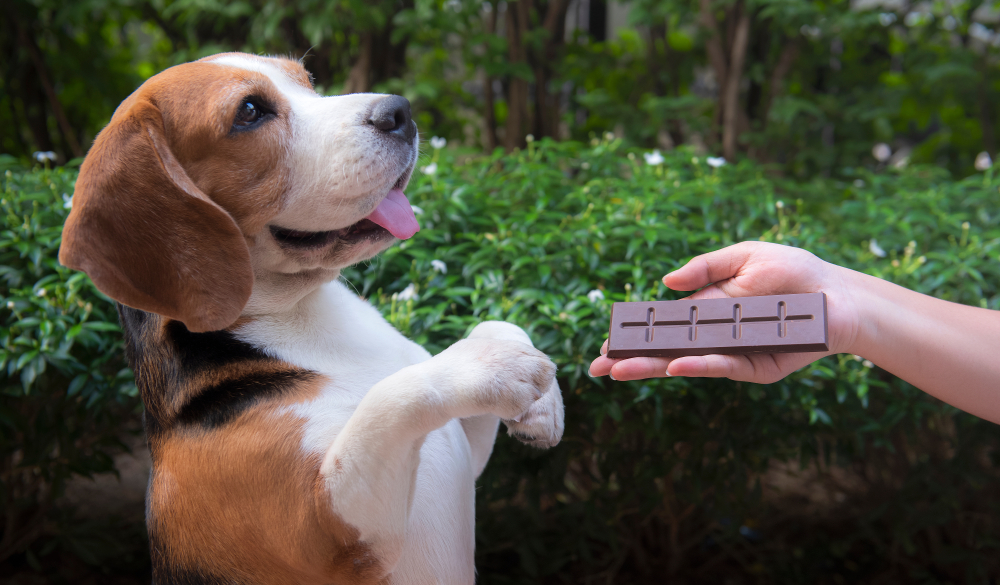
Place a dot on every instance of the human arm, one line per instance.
(950, 351)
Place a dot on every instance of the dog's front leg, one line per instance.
(368, 474)
(541, 426)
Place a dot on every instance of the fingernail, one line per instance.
(604, 350)
(613, 377)
(667, 373)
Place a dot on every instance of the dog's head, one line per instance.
(217, 170)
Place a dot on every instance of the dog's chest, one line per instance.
(336, 334)
(346, 340)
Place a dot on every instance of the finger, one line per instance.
(735, 367)
(601, 366)
(713, 291)
(640, 368)
(604, 348)
(709, 268)
(760, 368)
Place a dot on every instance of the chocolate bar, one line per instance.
(768, 324)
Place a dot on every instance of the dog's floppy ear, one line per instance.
(147, 236)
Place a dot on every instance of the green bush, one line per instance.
(66, 396)
(653, 478)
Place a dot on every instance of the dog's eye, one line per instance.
(250, 112)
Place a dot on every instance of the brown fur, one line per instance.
(169, 163)
(232, 498)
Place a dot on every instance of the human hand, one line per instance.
(750, 269)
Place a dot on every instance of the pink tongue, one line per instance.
(396, 215)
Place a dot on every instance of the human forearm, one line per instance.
(948, 350)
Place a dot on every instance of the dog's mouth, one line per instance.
(392, 218)
(364, 230)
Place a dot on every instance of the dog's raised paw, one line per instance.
(543, 423)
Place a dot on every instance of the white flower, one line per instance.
(868, 364)
(609, 136)
(430, 169)
(67, 201)
(44, 156)
(913, 18)
(42, 292)
(715, 161)
(416, 210)
(980, 32)
(874, 248)
(10, 305)
(779, 204)
(653, 158)
(529, 138)
(437, 143)
(810, 31)
(886, 18)
(408, 293)
(595, 295)
(439, 266)
(983, 161)
(881, 152)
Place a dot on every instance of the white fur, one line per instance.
(403, 435)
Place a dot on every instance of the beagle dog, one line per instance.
(296, 437)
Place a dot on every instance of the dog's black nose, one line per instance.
(392, 115)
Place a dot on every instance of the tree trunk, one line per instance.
(359, 79)
(655, 61)
(41, 73)
(517, 88)
(547, 102)
(776, 86)
(716, 52)
(730, 98)
(389, 58)
(490, 140)
(985, 112)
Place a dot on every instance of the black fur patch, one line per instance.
(203, 351)
(217, 405)
(166, 357)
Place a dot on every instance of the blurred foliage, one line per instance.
(818, 83)
(66, 397)
(654, 480)
(665, 478)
